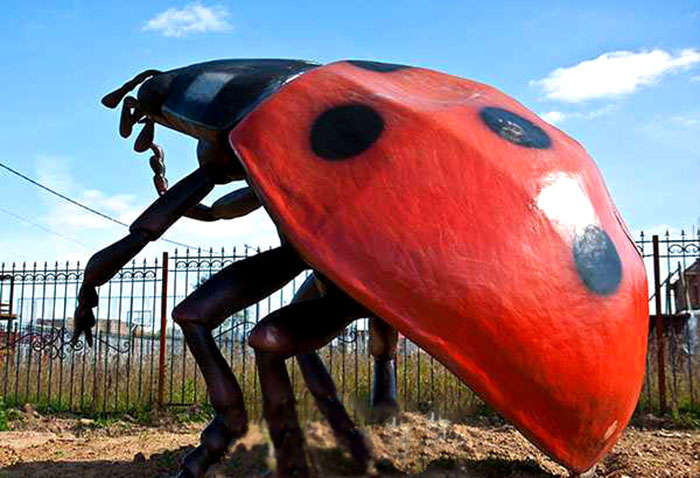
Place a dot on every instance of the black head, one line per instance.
(204, 100)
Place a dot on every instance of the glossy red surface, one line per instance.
(464, 242)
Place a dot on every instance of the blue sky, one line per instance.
(621, 77)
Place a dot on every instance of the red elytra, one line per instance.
(468, 243)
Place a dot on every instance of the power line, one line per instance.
(66, 198)
(83, 206)
(44, 228)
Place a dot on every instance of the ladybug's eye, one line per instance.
(344, 131)
(515, 128)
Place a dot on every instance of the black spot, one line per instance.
(515, 128)
(345, 131)
(377, 66)
(597, 261)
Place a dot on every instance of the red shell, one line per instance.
(464, 241)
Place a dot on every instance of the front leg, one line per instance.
(149, 226)
(230, 206)
(230, 290)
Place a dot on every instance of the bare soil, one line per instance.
(415, 446)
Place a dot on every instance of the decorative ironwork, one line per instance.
(144, 274)
(681, 249)
(349, 335)
(204, 263)
(36, 276)
(56, 343)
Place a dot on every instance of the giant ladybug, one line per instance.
(437, 204)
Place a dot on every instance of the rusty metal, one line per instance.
(660, 338)
(163, 319)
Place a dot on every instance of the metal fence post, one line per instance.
(163, 316)
(660, 338)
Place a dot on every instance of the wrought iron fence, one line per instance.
(140, 358)
(673, 269)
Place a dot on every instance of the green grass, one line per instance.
(4, 424)
(89, 386)
(689, 414)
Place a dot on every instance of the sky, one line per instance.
(623, 78)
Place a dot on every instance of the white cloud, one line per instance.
(687, 120)
(613, 74)
(557, 117)
(22, 241)
(119, 206)
(554, 117)
(54, 172)
(193, 18)
(84, 233)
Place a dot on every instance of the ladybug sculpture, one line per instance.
(437, 205)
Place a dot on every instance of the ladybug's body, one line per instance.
(449, 211)
(471, 226)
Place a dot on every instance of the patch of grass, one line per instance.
(13, 415)
(4, 422)
(143, 415)
(50, 407)
(104, 421)
(194, 414)
(689, 414)
(8, 415)
(485, 410)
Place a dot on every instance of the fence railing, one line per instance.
(140, 359)
(673, 365)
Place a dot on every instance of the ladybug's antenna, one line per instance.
(132, 114)
(112, 99)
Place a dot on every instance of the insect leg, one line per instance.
(235, 287)
(320, 384)
(383, 340)
(234, 204)
(149, 226)
(298, 328)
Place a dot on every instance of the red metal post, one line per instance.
(163, 316)
(660, 337)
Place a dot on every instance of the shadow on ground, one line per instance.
(254, 463)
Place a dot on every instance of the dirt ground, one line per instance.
(415, 446)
